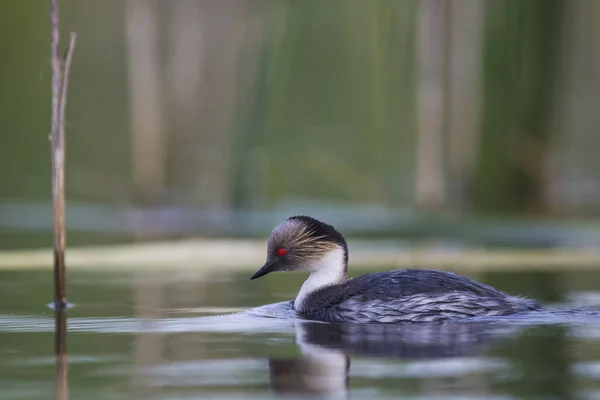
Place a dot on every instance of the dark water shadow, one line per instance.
(323, 370)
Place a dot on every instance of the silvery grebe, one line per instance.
(303, 243)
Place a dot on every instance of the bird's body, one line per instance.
(409, 296)
(305, 244)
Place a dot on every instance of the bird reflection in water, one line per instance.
(322, 370)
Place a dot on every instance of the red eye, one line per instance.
(281, 251)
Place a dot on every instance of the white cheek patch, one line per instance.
(332, 261)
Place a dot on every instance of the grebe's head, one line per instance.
(305, 244)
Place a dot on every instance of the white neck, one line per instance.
(329, 270)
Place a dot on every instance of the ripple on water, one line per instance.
(276, 317)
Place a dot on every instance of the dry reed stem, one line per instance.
(60, 81)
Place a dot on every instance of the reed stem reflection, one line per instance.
(60, 349)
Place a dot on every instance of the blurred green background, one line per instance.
(443, 122)
(460, 118)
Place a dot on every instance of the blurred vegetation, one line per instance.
(219, 114)
(520, 71)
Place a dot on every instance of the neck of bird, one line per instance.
(327, 271)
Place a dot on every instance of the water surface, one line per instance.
(189, 335)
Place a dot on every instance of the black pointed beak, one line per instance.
(265, 269)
